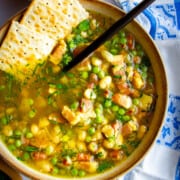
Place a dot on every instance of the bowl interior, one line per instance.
(161, 87)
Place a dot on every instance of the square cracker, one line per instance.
(55, 18)
(22, 49)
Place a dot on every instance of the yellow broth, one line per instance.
(84, 121)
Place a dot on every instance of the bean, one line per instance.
(91, 130)
(18, 143)
(74, 172)
(26, 156)
(84, 75)
(101, 74)
(136, 101)
(55, 170)
(125, 118)
(121, 111)
(107, 103)
(95, 69)
(34, 129)
(12, 147)
(4, 121)
(81, 173)
(81, 135)
(54, 160)
(93, 147)
(17, 132)
(115, 108)
(99, 119)
(29, 135)
(32, 114)
(50, 150)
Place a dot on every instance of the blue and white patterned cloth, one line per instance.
(162, 21)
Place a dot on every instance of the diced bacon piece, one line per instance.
(39, 155)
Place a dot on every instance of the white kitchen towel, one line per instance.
(162, 21)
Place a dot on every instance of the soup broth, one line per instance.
(84, 121)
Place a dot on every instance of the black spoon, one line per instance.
(108, 34)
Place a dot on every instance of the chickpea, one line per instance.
(105, 82)
(7, 130)
(96, 61)
(97, 136)
(109, 144)
(82, 135)
(102, 153)
(107, 56)
(108, 131)
(81, 146)
(43, 122)
(93, 147)
(34, 129)
(89, 94)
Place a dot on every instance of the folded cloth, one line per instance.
(162, 21)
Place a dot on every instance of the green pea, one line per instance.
(30, 101)
(88, 139)
(84, 75)
(32, 113)
(115, 108)
(107, 103)
(101, 74)
(98, 110)
(29, 135)
(54, 160)
(4, 121)
(136, 101)
(99, 119)
(18, 143)
(26, 156)
(17, 132)
(125, 118)
(91, 130)
(74, 172)
(81, 173)
(55, 170)
(121, 111)
(95, 69)
(12, 147)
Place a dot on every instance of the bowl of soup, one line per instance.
(97, 120)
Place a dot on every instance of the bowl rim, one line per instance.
(114, 172)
